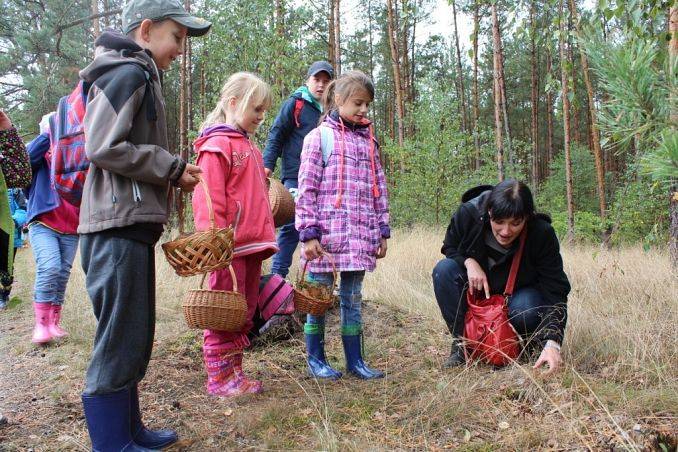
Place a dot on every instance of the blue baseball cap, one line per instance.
(320, 66)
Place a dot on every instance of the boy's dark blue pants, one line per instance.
(120, 280)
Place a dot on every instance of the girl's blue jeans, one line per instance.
(350, 296)
(54, 254)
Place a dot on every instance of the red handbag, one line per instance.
(488, 334)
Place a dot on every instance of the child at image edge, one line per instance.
(342, 211)
(232, 167)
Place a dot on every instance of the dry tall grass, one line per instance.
(620, 351)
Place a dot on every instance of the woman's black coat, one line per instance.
(541, 266)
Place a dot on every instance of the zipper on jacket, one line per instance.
(136, 192)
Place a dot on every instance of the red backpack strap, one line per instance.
(515, 264)
(298, 106)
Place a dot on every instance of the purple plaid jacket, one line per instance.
(351, 232)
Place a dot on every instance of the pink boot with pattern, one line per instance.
(225, 377)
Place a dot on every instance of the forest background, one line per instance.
(574, 99)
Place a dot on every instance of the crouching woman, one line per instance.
(481, 240)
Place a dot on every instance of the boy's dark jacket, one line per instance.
(286, 139)
(126, 140)
(541, 266)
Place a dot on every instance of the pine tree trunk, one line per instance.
(593, 124)
(502, 83)
(395, 60)
(337, 37)
(476, 106)
(498, 139)
(549, 116)
(96, 26)
(575, 111)
(460, 74)
(673, 192)
(203, 100)
(331, 44)
(534, 98)
(564, 77)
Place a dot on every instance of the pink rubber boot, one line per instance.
(54, 322)
(225, 377)
(41, 332)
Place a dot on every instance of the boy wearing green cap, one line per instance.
(124, 207)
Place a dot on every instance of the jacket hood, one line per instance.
(114, 49)
(223, 130)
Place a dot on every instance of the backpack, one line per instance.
(69, 163)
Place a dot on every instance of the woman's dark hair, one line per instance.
(510, 199)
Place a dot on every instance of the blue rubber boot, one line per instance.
(152, 439)
(351, 336)
(108, 422)
(315, 353)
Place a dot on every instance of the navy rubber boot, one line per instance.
(351, 338)
(152, 439)
(315, 353)
(108, 422)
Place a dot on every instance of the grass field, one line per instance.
(618, 391)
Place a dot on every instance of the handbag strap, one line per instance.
(515, 264)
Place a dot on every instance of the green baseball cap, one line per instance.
(135, 11)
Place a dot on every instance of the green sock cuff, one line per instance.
(314, 328)
(351, 330)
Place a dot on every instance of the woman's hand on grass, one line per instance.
(477, 279)
(311, 249)
(552, 358)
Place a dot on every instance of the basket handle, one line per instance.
(210, 209)
(331, 261)
(233, 278)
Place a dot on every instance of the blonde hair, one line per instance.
(344, 87)
(247, 89)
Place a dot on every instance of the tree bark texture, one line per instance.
(395, 60)
(534, 99)
(593, 126)
(476, 106)
(498, 139)
(460, 73)
(564, 78)
(673, 192)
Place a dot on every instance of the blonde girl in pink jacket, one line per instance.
(233, 169)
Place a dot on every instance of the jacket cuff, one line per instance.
(177, 170)
(385, 231)
(310, 233)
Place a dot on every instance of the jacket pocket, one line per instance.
(373, 236)
(334, 228)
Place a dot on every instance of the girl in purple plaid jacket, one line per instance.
(342, 211)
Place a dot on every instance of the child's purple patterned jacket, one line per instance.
(351, 233)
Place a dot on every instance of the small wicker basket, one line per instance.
(282, 202)
(315, 299)
(202, 251)
(221, 310)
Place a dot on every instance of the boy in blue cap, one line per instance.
(297, 117)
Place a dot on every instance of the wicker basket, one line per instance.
(220, 310)
(282, 202)
(314, 300)
(203, 251)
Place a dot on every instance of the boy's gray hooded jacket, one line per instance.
(125, 139)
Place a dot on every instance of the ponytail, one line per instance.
(329, 102)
